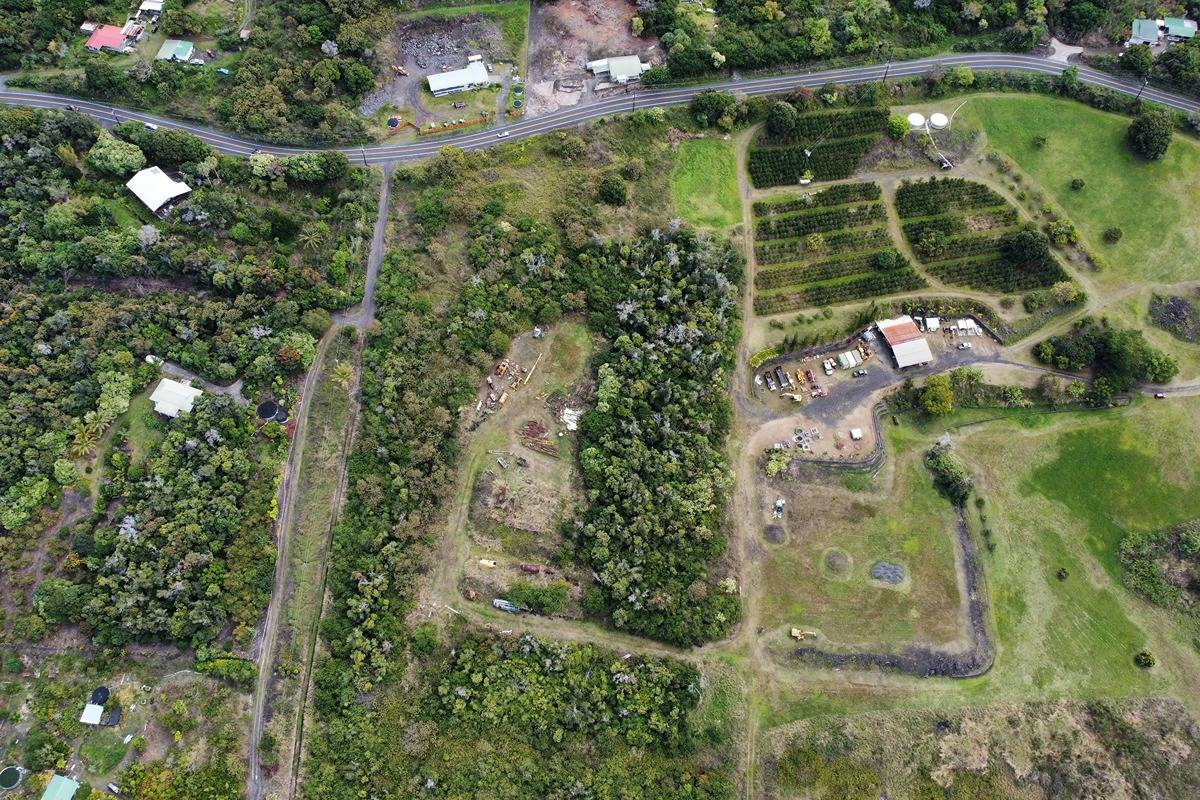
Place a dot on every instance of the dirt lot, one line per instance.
(525, 483)
(564, 35)
(426, 45)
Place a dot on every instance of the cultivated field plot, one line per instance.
(835, 141)
(957, 228)
(825, 248)
(872, 569)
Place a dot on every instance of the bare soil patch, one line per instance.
(564, 35)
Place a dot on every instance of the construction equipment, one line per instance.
(502, 367)
(793, 397)
(799, 634)
(399, 70)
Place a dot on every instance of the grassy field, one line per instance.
(704, 184)
(1160, 240)
(901, 520)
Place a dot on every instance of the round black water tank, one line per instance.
(267, 409)
(100, 695)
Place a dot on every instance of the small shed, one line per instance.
(151, 8)
(92, 712)
(60, 788)
(856, 434)
(171, 398)
(1179, 29)
(1145, 31)
(619, 69)
(176, 50)
(933, 323)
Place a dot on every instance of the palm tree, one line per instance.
(343, 374)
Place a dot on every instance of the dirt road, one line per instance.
(265, 643)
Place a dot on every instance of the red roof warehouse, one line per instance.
(106, 36)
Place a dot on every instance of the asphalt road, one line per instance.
(647, 98)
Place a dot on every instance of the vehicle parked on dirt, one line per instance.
(859, 373)
(964, 345)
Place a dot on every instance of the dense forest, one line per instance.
(238, 282)
(651, 451)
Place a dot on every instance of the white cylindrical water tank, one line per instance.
(938, 120)
(916, 120)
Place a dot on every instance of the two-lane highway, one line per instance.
(569, 117)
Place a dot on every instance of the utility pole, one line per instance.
(363, 150)
(1144, 82)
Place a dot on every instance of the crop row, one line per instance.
(837, 195)
(859, 287)
(997, 274)
(943, 195)
(796, 274)
(831, 160)
(821, 220)
(957, 247)
(783, 250)
(833, 124)
(951, 224)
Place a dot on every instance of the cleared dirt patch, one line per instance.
(565, 34)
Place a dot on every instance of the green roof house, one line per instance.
(60, 788)
(175, 50)
(1145, 31)
(1179, 28)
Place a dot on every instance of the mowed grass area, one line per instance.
(704, 184)
(1059, 491)
(899, 519)
(1156, 204)
(1059, 494)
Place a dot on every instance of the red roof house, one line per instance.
(107, 37)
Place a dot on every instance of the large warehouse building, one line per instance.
(906, 341)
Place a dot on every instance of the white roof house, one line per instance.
(91, 714)
(151, 6)
(906, 341)
(156, 188)
(172, 397)
(459, 80)
(619, 69)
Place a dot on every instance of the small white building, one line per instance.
(156, 189)
(151, 8)
(856, 434)
(91, 714)
(619, 69)
(171, 398)
(472, 76)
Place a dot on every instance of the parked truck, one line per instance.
(504, 605)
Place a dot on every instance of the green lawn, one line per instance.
(903, 521)
(704, 184)
(102, 751)
(1155, 203)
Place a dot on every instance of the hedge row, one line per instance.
(821, 220)
(951, 224)
(796, 274)
(871, 284)
(783, 250)
(831, 160)
(837, 195)
(837, 124)
(942, 196)
(995, 273)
